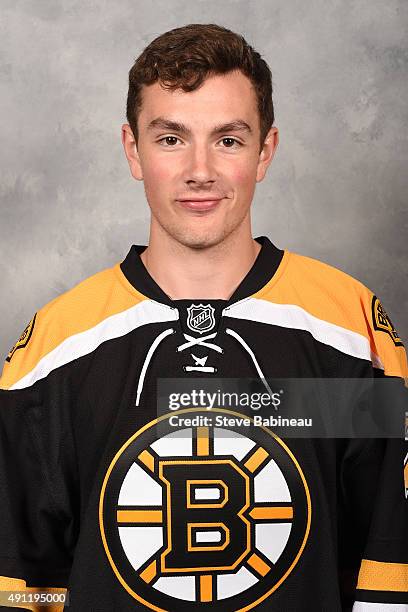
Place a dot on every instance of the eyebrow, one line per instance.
(237, 125)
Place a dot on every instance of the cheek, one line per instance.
(242, 177)
(158, 170)
(158, 178)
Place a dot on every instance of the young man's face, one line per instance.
(199, 172)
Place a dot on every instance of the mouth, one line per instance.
(200, 205)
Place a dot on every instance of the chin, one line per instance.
(198, 242)
(195, 240)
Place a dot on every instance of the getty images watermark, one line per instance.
(229, 399)
(313, 407)
(209, 400)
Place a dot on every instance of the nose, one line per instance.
(200, 167)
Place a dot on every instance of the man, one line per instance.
(131, 508)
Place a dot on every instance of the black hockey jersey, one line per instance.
(131, 509)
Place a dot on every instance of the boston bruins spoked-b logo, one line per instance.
(206, 517)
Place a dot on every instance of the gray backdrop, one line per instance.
(337, 188)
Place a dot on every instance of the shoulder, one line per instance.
(319, 288)
(66, 320)
(322, 275)
(337, 303)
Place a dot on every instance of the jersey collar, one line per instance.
(263, 269)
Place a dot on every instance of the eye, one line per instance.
(231, 142)
(167, 139)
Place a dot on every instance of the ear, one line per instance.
(267, 153)
(131, 152)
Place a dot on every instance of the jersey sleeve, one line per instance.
(38, 525)
(375, 481)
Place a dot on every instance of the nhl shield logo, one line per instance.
(200, 317)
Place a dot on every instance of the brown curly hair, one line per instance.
(184, 57)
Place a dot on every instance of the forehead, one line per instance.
(219, 98)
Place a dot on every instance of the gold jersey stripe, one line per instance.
(255, 460)
(17, 584)
(149, 572)
(258, 564)
(147, 459)
(206, 587)
(203, 441)
(272, 512)
(140, 516)
(381, 576)
(11, 584)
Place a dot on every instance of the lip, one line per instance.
(197, 204)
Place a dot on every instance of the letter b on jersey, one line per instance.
(205, 504)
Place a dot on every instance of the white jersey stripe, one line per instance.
(295, 317)
(85, 342)
(368, 606)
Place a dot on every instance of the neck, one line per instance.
(212, 272)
